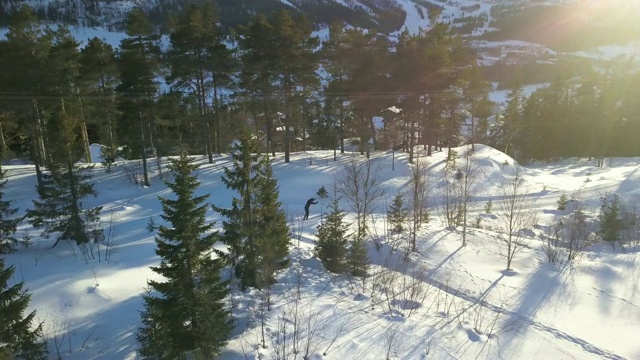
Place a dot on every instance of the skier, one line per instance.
(310, 202)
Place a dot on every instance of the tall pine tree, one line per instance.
(201, 64)
(138, 63)
(98, 76)
(185, 315)
(18, 337)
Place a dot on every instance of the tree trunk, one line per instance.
(287, 134)
(216, 108)
(3, 146)
(145, 173)
(84, 134)
(412, 139)
(341, 130)
(85, 142)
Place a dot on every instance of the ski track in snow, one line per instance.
(479, 300)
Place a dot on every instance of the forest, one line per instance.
(143, 100)
(268, 86)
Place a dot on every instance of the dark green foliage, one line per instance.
(8, 221)
(358, 259)
(98, 78)
(272, 231)
(397, 214)
(255, 228)
(562, 202)
(61, 211)
(611, 224)
(201, 64)
(333, 238)
(240, 177)
(138, 65)
(185, 315)
(322, 193)
(18, 338)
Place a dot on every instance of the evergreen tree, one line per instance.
(23, 60)
(60, 210)
(611, 224)
(255, 228)
(357, 258)
(185, 315)
(18, 338)
(397, 214)
(258, 76)
(98, 76)
(509, 129)
(201, 64)
(238, 227)
(272, 241)
(138, 63)
(278, 62)
(8, 221)
(333, 238)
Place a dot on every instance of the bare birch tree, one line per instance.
(469, 172)
(516, 214)
(419, 186)
(359, 186)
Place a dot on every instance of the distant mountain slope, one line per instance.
(383, 15)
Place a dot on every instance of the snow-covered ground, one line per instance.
(465, 305)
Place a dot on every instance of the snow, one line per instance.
(536, 311)
(500, 96)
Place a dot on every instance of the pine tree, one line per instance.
(18, 338)
(397, 214)
(8, 221)
(333, 239)
(185, 315)
(97, 81)
(60, 211)
(23, 60)
(201, 64)
(138, 63)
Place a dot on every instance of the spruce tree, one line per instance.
(255, 228)
(185, 315)
(272, 240)
(8, 221)
(358, 258)
(333, 238)
(611, 223)
(60, 211)
(238, 229)
(397, 214)
(18, 338)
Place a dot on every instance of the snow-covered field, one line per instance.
(465, 305)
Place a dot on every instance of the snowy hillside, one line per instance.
(445, 301)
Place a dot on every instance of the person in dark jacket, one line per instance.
(310, 202)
